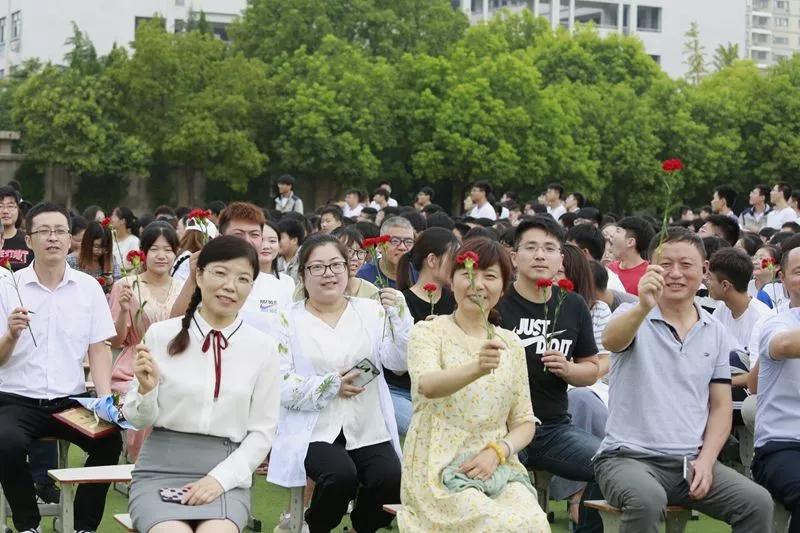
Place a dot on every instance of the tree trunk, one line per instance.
(136, 195)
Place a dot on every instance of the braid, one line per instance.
(181, 341)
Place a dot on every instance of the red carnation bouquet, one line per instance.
(431, 289)
(201, 217)
(669, 167)
(565, 286)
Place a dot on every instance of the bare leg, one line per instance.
(173, 526)
(217, 526)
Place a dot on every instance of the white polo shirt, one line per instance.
(65, 322)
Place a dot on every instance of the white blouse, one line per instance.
(246, 410)
(334, 350)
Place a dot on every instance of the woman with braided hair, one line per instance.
(209, 384)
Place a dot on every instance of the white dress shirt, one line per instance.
(336, 349)
(556, 211)
(352, 212)
(266, 306)
(484, 211)
(246, 410)
(778, 217)
(65, 321)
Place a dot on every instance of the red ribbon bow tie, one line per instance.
(218, 341)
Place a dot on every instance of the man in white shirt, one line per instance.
(287, 200)
(592, 243)
(59, 316)
(391, 202)
(380, 199)
(755, 217)
(729, 271)
(482, 208)
(552, 197)
(574, 202)
(352, 204)
(781, 212)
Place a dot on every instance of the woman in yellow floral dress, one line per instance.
(472, 412)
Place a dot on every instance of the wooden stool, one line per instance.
(125, 521)
(676, 516)
(541, 482)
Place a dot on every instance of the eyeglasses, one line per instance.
(46, 232)
(8, 207)
(319, 270)
(397, 241)
(548, 249)
(222, 275)
(356, 253)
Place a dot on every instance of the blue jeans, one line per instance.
(566, 450)
(401, 399)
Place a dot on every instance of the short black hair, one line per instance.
(427, 191)
(678, 234)
(485, 186)
(293, 229)
(707, 209)
(751, 242)
(600, 274)
(286, 179)
(216, 206)
(788, 245)
(383, 192)
(713, 244)
(779, 238)
(511, 195)
(7, 191)
(588, 237)
(727, 193)
(641, 230)
(439, 219)
(78, 224)
(432, 208)
(480, 231)
(538, 209)
(590, 213)
(557, 187)
(785, 188)
(368, 229)
(334, 210)
(727, 225)
(794, 227)
(763, 190)
(45, 207)
(417, 220)
(580, 199)
(733, 265)
(568, 219)
(542, 222)
(767, 232)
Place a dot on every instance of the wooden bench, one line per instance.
(70, 478)
(675, 521)
(125, 521)
(392, 508)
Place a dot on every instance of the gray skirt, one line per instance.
(171, 460)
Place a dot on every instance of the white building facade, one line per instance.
(660, 24)
(40, 28)
(773, 30)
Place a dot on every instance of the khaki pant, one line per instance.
(643, 485)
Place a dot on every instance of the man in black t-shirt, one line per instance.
(558, 355)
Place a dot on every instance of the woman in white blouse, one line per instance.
(341, 435)
(210, 386)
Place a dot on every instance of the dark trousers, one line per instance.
(339, 473)
(776, 467)
(43, 456)
(24, 422)
(566, 451)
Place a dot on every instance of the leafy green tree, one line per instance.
(695, 55)
(725, 56)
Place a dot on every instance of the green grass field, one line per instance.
(269, 501)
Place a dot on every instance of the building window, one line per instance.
(602, 14)
(2, 30)
(180, 26)
(761, 4)
(780, 40)
(648, 18)
(16, 25)
(760, 39)
(656, 58)
(781, 22)
(759, 55)
(782, 5)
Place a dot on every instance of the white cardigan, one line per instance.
(304, 393)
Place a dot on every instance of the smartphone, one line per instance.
(172, 495)
(367, 371)
(688, 470)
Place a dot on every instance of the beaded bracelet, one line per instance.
(498, 450)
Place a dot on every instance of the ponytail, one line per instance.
(181, 341)
(403, 280)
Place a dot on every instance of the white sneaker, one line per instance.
(283, 525)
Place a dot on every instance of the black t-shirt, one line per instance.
(420, 309)
(574, 337)
(16, 251)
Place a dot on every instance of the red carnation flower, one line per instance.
(199, 214)
(102, 281)
(6, 264)
(368, 243)
(106, 222)
(136, 257)
(468, 256)
(430, 287)
(767, 262)
(566, 285)
(544, 283)
(672, 165)
(383, 239)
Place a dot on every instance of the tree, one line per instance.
(725, 56)
(695, 55)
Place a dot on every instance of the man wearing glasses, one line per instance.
(401, 233)
(55, 317)
(12, 243)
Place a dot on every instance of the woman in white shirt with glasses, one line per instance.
(341, 435)
(210, 386)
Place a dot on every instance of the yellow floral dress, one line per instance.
(443, 428)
